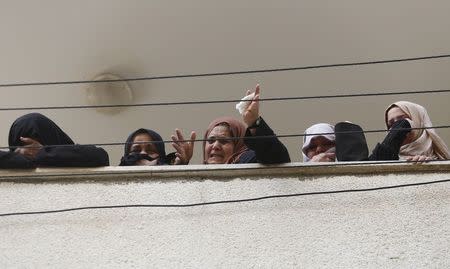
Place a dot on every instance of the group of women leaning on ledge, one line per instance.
(36, 141)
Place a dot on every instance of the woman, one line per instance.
(228, 140)
(41, 141)
(146, 147)
(13, 160)
(319, 143)
(420, 144)
(346, 142)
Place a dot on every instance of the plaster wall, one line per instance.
(53, 40)
(396, 228)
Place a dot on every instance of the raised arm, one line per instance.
(268, 150)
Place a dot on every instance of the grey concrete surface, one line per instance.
(395, 228)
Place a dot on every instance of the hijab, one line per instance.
(37, 127)
(426, 141)
(237, 130)
(318, 128)
(156, 140)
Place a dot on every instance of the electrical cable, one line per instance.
(225, 201)
(231, 138)
(223, 101)
(227, 73)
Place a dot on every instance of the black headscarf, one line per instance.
(37, 127)
(47, 133)
(128, 159)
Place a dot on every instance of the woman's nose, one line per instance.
(320, 149)
(216, 144)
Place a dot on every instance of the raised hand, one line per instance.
(184, 148)
(251, 114)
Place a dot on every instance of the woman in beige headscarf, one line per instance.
(420, 144)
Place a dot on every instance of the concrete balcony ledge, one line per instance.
(349, 219)
(221, 171)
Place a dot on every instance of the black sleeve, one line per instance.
(72, 156)
(381, 152)
(268, 150)
(12, 160)
(390, 147)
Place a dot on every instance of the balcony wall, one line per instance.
(391, 228)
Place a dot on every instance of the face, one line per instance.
(219, 147)
(395, 114)
(140, 147)
(319, 144)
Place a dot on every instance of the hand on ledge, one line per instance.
(30, 149)
(419, 159)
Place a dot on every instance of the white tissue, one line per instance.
(245, 103)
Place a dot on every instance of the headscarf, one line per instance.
(426, 141)
(156, 140)
(318, 128)
(237, 130)
(37, 127)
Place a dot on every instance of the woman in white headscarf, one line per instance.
(320, 147)
(422, 144)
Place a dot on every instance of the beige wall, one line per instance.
(395, 228)
(63, 40)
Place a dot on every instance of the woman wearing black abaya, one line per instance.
(40, 140)
(12, 160)
(146, 147)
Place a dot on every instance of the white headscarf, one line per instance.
(318, 128)
(426, 141)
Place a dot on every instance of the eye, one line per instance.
(211, 140)
(135, 150)
(224, 141)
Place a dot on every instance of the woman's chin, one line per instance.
(215, 160)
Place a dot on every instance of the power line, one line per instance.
(227, 73)
(233, 138)
(224, 101)
(277, 196)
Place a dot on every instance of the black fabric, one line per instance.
(37, 127)
(170, 158)
(382, 152)
(268, 150)
(351, 143)
(72, 156)
(131, 159)
(390, 147)
(397, 134)
(46, 132)
(12, 160)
